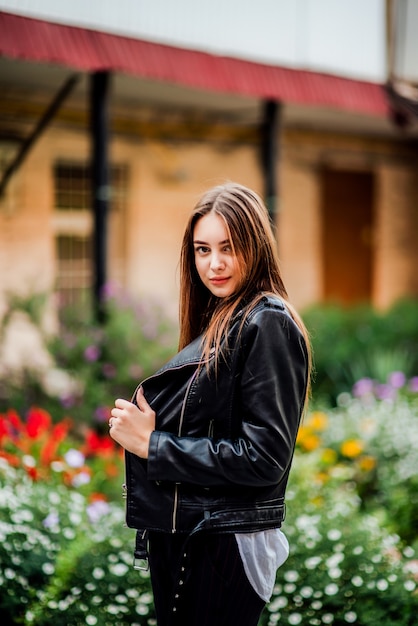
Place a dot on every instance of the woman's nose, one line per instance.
(217, 262)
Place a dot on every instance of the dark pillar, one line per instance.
(100, 185)
(270, 153)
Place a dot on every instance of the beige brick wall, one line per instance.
(396, 239)
(167, 176)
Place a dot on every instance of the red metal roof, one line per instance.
(88, 50)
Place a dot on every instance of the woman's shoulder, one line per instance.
(266, 304)
(271, 311)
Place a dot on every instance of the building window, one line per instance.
(73, 227)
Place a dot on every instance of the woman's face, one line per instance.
(215, 261)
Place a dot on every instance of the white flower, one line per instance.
(82, 478)
(409, 585)
(334, 560)
(382, 584)
(121, 598)
(142, 609)
(29, 460)
(57, 466)
(331, 589)
(316, 605)
(98, 573)
(306, 591)
(48, 568)
(291, 576)
(74, 458)
(334, 534)
(350, 617)
(312, 562)
(119, 569)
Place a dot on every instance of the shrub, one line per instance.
(344, 567)
(91, 364)
(65, 560)
(349, 344)
(372, 436)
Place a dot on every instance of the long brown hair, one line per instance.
(252, 240)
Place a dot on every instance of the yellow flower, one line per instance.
(367, 463)
(318, 420)
(321, 477)
(329, 456)
(352, 448)
(308, 441)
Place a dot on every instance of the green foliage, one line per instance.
(32, 305)
(349, 344)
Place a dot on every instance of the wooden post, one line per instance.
(100, 186)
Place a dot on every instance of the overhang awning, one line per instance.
(91, 51)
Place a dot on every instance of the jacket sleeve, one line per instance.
(270, 400)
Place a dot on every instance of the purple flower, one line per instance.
(413, 384)
(363, 387)
(385, 392)
(109, 370)
(67, 401)
(74, 458)
(396, 380)
(82, 478)
(91, 353)
(96, 510)
(110, 291)
(102, 413)
(51, 520)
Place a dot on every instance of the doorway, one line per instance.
(347, 229)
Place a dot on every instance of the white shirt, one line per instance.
(262, 553)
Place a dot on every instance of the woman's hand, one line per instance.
(131, 426)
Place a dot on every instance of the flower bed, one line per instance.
(66, 556)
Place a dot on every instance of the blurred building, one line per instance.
(148, 107)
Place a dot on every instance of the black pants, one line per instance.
(200, 581)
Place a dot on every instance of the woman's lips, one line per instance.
(219, 281)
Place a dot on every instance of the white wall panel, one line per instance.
(345, 37)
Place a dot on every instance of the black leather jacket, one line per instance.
(220, 455)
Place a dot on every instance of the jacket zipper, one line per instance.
(176, 486)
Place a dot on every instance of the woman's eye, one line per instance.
(201, 249)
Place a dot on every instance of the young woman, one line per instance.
(210, 437)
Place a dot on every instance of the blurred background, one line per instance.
(114, 118)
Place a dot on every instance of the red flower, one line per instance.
(3, 427)
(32, 472)
(58, 434)
(96, 496)
(12, 459)
(38, 421)
(98, 445)
(15, 422)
